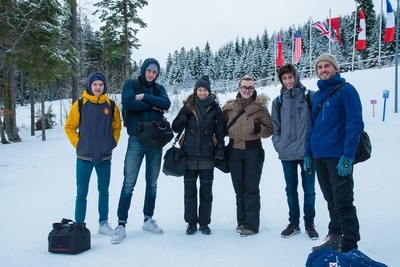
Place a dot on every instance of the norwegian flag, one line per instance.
(279, 59)
(319, 26)
(297, 47)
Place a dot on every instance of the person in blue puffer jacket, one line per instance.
(146, 104)
(333, 137)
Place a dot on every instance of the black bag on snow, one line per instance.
(69, 237)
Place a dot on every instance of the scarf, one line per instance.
(202, 105)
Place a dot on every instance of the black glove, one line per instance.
(187, 113)
(217, 162)
(257, 128)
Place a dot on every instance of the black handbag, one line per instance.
(364, 149)
(224, 164)
(69, 237)
(174, 160)
(155, 133)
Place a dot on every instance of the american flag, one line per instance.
(297, 47)
(319, 26)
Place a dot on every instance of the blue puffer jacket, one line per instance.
(337, 128)
(143, 108)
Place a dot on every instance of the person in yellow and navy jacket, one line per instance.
(99, 131)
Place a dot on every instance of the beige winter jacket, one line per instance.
(255, 111)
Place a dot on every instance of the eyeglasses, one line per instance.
(245, 88)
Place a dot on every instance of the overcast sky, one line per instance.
(173, 24)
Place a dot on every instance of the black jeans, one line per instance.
(203, 217)
(246, 167)
(338, 193)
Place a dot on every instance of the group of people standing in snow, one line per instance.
(320, 140)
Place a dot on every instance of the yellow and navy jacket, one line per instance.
(95, 129)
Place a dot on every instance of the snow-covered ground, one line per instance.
(37, 188)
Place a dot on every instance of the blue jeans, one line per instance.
(308, 184)
(83, 173)
(133, 160)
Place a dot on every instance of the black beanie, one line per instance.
(203, 82)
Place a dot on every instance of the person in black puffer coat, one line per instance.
(203, 144)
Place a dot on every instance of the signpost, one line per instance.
(385, 96)
(373, 102)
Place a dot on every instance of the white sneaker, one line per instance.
(118, 235)
(105, 229)
(151, 226)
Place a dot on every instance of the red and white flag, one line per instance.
(362, 36)
(279, 58)
(390, 28)
(335, 26)
(297, 47)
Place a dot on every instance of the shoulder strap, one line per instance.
(112, 108)
(307, 97)
(334, 90)
(137, 85)
(234, 120)
(279, 101)
(80, 103)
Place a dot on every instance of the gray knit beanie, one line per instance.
(327, 57)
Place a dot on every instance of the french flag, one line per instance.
(390, 29)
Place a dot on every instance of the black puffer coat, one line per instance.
(198, 142)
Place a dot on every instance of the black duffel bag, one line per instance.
(69, 237)
(174, 162)
(155, 133)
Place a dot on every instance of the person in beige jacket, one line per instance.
(245, 155)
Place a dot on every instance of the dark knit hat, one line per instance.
(327, 57)
(203, 82)
(95, 77)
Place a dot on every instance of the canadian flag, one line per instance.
(362, 36)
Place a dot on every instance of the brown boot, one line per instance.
(333, 241)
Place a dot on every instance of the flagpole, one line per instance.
(354, 37)
(330, 24)
(275, 54)
(293, 40)
(380, 36)
(397, 60)
(310, 48)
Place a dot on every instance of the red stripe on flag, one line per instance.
(297, 47)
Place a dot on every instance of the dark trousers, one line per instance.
(203, 217)
(338, 193)
(246, 167)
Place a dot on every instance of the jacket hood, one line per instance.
(145, 64)
(297, 82)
